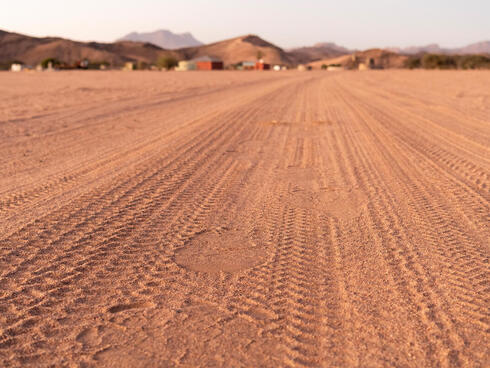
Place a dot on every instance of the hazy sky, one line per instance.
(288, 23)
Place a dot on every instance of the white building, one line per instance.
(186, 65)
(16, 67)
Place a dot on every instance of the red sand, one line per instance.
(244, 219)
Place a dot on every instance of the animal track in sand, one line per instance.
(89, 337)
(124, 307)
(225, 250)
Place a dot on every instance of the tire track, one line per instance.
(456, 343)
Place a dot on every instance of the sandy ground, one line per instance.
(245, 219)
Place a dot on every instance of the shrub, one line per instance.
(141, 65)
(474, 62)
(413, 62)
(167, 62)
(54, 62)
(324, 66)
(438, 61)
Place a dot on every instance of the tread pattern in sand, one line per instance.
(286, 219)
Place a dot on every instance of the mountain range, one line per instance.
(475, 48)
(32, 50)
(164, 39)
(238, 49)
(318, 51)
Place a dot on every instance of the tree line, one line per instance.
(442, 61)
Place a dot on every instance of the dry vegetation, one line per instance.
(244, 219)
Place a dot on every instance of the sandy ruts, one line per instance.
(245, 219)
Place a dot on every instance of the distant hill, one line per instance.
(317, 52)
(244, 48)
(475, 48)
(382, 59)
(32, 50)
(164, 39)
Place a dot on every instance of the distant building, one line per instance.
(334, 68)
(16, 67)
(368, 64)
(186, 65)
(253, 65)
(247, 65)
(302, 68)
(363, 66)
(208, 63)
(83, 64)
(260, 65)
(129, 66)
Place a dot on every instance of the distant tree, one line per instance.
(324, 66)
(439, 61)
(167, 62)
(54, 62)
(413, 62)
(474, 62)
(141, 65)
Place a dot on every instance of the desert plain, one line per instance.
(236, 219)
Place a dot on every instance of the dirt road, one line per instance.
(245, 219)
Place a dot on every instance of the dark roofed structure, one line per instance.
(208, 63)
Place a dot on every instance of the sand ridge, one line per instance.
(244, 219)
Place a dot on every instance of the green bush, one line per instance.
(413, 62)
(324, 66)
(474, 62)
(439, 61)
(167, 62)
(141, 65)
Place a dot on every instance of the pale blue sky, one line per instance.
(288, 23)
